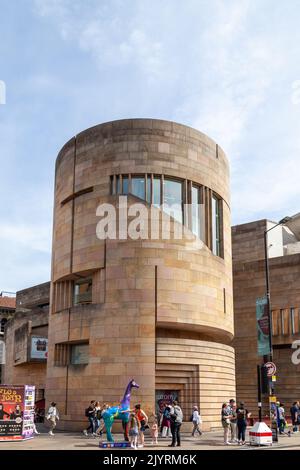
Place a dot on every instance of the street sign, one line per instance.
(271, 368)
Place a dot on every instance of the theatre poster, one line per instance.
(16, 412)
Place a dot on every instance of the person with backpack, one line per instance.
(242, 415)
(166, 422)
(197, 421)
(176, 422)
(90, 415)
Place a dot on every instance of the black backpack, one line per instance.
(87, 412)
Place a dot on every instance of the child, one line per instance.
(154, 431)
(134, 430)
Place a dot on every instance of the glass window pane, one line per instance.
(80, 354)
(125, 185)
(196, 211)
(149, 189)
(118, 188)
(156, 191)
(138, 186)
(83, 291)
(215, 226)
(292, 311)
(173, 198)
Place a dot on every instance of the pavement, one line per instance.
(208, 441)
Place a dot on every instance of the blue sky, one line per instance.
(228, 68)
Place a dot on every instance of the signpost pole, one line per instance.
(259, 393)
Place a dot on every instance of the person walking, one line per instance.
(166, 422)
(97, 416)
(52, 417)
(225, 420)
(176, 422)
(295, 415)
(242, 415)
(90, 414)
(233, 421)
(281, 417)
(197, 421)
(143, 419)
(100, 422)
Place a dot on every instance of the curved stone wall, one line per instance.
(139, 287)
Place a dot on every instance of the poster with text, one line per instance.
(39, 347)
(11, 412)
(165, 397)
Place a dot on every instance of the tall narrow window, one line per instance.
(292, 318)
(156, 198)
(138, 186)
(149, 197)
(125, 184)
(196, 214)
(282, 322)
(118, 185)
(216, 222)
(172, 194)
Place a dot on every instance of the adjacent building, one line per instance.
(156, 309)
(249, 283)
(7, 310)
(26, 339)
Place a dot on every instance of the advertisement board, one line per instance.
(165, 397)
(39, 347)
(262, 321)
(16, 412)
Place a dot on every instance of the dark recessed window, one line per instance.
(118, 185)
(79, 354)
(83, 291)
(125, 184)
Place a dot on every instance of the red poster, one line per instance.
(11, 412)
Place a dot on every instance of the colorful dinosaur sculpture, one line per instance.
(119, 412)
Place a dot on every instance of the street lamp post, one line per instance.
(267, 272)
